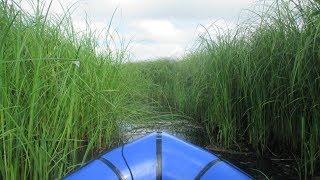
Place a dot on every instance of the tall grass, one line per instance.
(59, 100)
(257, 85)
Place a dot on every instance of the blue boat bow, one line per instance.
(158, 156)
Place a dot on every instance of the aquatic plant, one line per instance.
(257, 84)
(59, 99)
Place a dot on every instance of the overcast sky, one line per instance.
(154, 28)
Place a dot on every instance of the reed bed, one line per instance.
(257, 85)
(59, 99)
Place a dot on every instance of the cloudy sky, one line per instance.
(153, 28)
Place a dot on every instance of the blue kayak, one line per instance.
(158, 156)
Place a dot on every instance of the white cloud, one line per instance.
(156, 28)
(157, 31)
(179, 9)
(146, 51)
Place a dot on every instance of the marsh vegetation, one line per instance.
(255, 88)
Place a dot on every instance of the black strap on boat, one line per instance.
(113, 168)
(206, 168)
(159, 155)
(125, 160)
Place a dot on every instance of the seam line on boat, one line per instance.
(207, 167)
(113, 168)
(159, 156)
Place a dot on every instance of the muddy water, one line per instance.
(257, 166)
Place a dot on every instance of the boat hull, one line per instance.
(158, 156)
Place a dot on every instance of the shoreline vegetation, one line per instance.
(255, 87)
